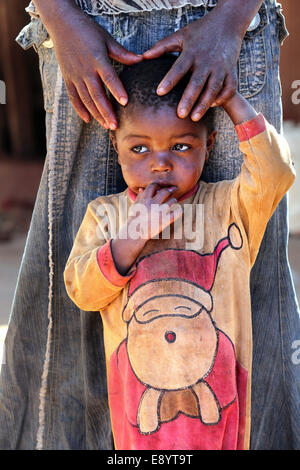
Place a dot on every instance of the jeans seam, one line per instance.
(280, 305)
(107, 167)
(47, 360)
(277, 216)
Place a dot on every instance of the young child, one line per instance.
(176, 315)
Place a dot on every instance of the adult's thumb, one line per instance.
(117, 52)
(165, 45)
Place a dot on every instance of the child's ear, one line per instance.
(210, 143)
(113, 139)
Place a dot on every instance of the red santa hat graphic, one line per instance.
(178, 272)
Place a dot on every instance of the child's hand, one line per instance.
(144, 224)
(83, 49)
(153, 206)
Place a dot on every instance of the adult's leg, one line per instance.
(276, 323)
(53, 385)
(80, 166)
(275, 418)
(52, 389)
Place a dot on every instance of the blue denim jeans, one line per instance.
(53, 392)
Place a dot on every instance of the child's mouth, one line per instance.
(160, 184)
(164, 184)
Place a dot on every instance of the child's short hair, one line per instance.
(141, 81)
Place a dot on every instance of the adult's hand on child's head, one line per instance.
(209, 50)
(83, 50)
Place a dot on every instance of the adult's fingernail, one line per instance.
(182, 112)
(113, 126)
(196, 117)
(160, 91)
(123, 100)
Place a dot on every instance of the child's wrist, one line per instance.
(132, 232)
(239, 109)
(125, 251)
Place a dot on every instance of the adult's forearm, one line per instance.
(238, 14)
(52, 10)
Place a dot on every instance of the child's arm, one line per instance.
(97, 268)
(89, 277)
(266, 174)
(125, 249)
(239, 109)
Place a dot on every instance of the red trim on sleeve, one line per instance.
(251, 128)
(107, 266)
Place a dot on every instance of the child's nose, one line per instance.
(161, 162)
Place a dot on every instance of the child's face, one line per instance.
(157, 146)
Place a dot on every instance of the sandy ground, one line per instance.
(11, 256)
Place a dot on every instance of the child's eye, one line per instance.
(181, 147)
(139, 149)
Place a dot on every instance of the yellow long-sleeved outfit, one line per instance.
(177, 328)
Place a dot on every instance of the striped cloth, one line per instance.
(114, 7)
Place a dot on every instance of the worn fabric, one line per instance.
(177, 327)
(53, 390)
(115, 7)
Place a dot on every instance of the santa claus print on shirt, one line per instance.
(175, 366)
